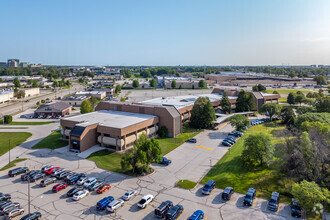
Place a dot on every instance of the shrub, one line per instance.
(163, 132)
(7, 119)
(311, 117)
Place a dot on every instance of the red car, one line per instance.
(50, 170)
(59, 187)
(103, 188)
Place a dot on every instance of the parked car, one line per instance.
(296, 210)
(44, 168)
(103, 188)
(14, 212)
(274, 201)
(227, 193)
(8, 207)
(129, 194)
(4, 197)
(209, 187)
(82, 180)
(79, 195)
(59, 187)
(46, 182)
(249, 197)
(231, 138)
(68, 176)
(73, 191)
(72, 180)
(94, 186)
(28, 175)
(229, 141)
(163, 208)
(57, 171)
(192, 140)
(60, 175)
(114, 205)
(225, 143)
(90, 181)
(32, 216)
(236, 134)
(36, 177)
(145, 201)
(17, 171)
(103, 203)
(174, 212)
(166, 161)
(50, 170)
(198, 215)
(4, 203)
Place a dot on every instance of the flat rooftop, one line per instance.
(89, 92)
(183, 101)
(109, 118)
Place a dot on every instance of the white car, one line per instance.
(90, 181)
(82, 180)
(129, 194)
(145, 201)
(114, 205)
(79, 195)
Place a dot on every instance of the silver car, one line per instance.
(9, 207)
(14, 212)
(129, 194)
(54, 173)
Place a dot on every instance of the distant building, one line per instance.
(30, 91)
(56, 109)
(35, 65)
(24, 64)
(13, 62)
(74, 100)
(3, 64)
(6, 95)
(96, 94)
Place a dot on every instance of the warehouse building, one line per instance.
(6, 95)
(54, 110)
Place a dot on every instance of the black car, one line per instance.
(225, 143)
(67, 176)
(94, 186)
(46, 182)
(73, 191)
(4, 197)
(174, 212)
(29, 174)
(17, 171)
(36, 177)
(227, 193)
(4, 203)
(32, 216)
(192, 140)
(74, 179)
(296, 210)
(163, 209)
(249, 197)
(274, 201)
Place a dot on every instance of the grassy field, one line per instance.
(282, 100)
(287, 91)
(52, 141)
(230, 171)
(28, 122)
(12, 163)
(15, 138)
(186, 184)
(111, 160)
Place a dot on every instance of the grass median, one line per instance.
(186, 184)
(230, 170)
(12, 139)
(12, 163)
(27, 122)
(52, 141)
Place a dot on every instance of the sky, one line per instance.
(166, 32)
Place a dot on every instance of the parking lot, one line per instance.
(189, 161)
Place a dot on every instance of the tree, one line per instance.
(242, 102)
(173, 84)
(291, 99)
(35, 84)
(201, 84)
(1, 80)
(261, 88)
(304, 109)
(130, 159)
(309, 194)
(163, 132)
(270, 109)
(323, 104)
(153, 83)
(136, 83)
(225, 104)
(146, 73)
(202, 114)
(7, 119)
(251, 102)
(68, 83)
(320, 80)
(126, 73)
(86, 107)
(323, 117)
(55, 84)
(19, 93)
(17, 83)
(299, 99)
(240, 122)
(255, 88)
(275, 92)
(94, 101)
(288, 116)
(118, 88)
(258, 150)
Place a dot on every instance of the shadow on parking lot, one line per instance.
(151, 215)
(199, 193)
(49, 192)
(216, 135)
(134, 208)
(239, 203)
(218, 200)
(93, 211)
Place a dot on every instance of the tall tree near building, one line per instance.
(239, 122)
(135, 83)
(153, 83)
(118, 88)
(251, 102)
(299, 99)
(320, 80)
(270, 109)
(255, 88)
(291, 98)
(86, 107)
(55, 84)
(288, 116)
(34, 84)
(173, 84)
(202, 114)
(17, 83)
(242, 102)
(202, 84)
(225, 104)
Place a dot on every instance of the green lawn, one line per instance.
(186, 184)
(52, 141)
(12, 163)
(282, 100)
(111, 160)
(12, 138)
(287, 91)
(28, 122)
(230, 171)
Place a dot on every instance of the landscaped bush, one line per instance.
(163, 132)
(321, 117)
(8, 119)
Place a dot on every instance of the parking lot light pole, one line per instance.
(29, 203)
(9, 152)
(78, 160)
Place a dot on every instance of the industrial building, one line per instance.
(6, 95)
(54, 110)
(96, 94)
(30, 91)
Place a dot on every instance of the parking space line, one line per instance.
(145, 209)
(266, 205)
(232, 197)
(279, 205)
(181, 214)
(255, 202)
(205, 217)
(212, 193)
(224, 125)
(97, 197)
(204, 148)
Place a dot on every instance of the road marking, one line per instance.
(204, 148)
(97, 197)
(212, 192)
(181, 214)
(266, 205)
(128, 203)
(232, 197)
(224, 125)
(255, 202)
(205, 217)
(145, 209)
(278, 208)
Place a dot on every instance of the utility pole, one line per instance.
(29, 202)
(9, 152)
